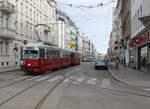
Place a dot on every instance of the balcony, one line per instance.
(47, 29)
(6, 33)
(52, 3)
(7, 7)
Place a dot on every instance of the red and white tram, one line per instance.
(39, 57)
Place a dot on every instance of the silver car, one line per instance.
(101, 63)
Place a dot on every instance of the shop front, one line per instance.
(142, 46)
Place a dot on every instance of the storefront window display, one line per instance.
(148, 61)
(145, 58)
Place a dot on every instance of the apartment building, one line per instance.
(22, 21)
(140, 42)
(126, 28)
(67, 33)
(115, 48)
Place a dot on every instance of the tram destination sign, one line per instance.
(30, 48)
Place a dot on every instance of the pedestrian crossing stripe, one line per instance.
(54, 79)
(105, 82)
(22, 78)
(66, 80)
(33, 78)
(41, 79)
(92, 82)
(80, 79)
(11, 77)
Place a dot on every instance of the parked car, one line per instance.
(101, 63)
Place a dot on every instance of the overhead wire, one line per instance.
(83, 7)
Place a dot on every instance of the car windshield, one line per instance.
(100, 60)
(32, 54)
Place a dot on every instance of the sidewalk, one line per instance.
(2, 70)
(131, 76)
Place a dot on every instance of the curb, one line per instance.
(10, 70)
(120, 80)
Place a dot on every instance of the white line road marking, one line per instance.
(54, 79)
(79, 79)
(66, 80)
(5, 76)
(147, 89)
(91, 81)
(11, 77)
(33, 78)
(24, 77)
(72, 77)
(41, 79)
(105, 82)
(75, 82)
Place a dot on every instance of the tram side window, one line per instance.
(42, 53)
(52, 53)
(48, 53)
(66, 55)
(55, 53)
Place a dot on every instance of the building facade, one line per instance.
(67, 32)
(22, 21)
(131, 30)
(126, 28)
(115, 48)
(139, 43)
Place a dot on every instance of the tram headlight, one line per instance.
(29, 65)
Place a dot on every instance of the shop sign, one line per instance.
(70, 44)
(135, 41)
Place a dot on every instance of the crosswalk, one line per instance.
(28, 78)
(89, 81)
(74, 79)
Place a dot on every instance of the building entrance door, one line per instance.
(143, 59)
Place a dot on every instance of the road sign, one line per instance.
(70, 44)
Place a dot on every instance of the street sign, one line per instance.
(70, 44)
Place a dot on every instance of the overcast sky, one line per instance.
(95, 23)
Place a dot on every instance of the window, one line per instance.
(138, 15)
(31, 54)
(1, 47)
(2, 63)
(16, 26)
(7, 48)
(42, 53)
(21, 28)
(7, 21)
(141, 10)
(52, 53)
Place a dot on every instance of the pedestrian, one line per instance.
(117, 63)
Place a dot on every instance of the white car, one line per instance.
(100, 63)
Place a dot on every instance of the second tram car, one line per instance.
(39, 57)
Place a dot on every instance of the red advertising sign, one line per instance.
(135, 41)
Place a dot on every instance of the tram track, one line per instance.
(20, 92)
(15, 82)
(62, 73)
(42, 101)
(5, 78)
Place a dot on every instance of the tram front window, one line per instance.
(32, 54)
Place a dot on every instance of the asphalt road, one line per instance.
(77, 87)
